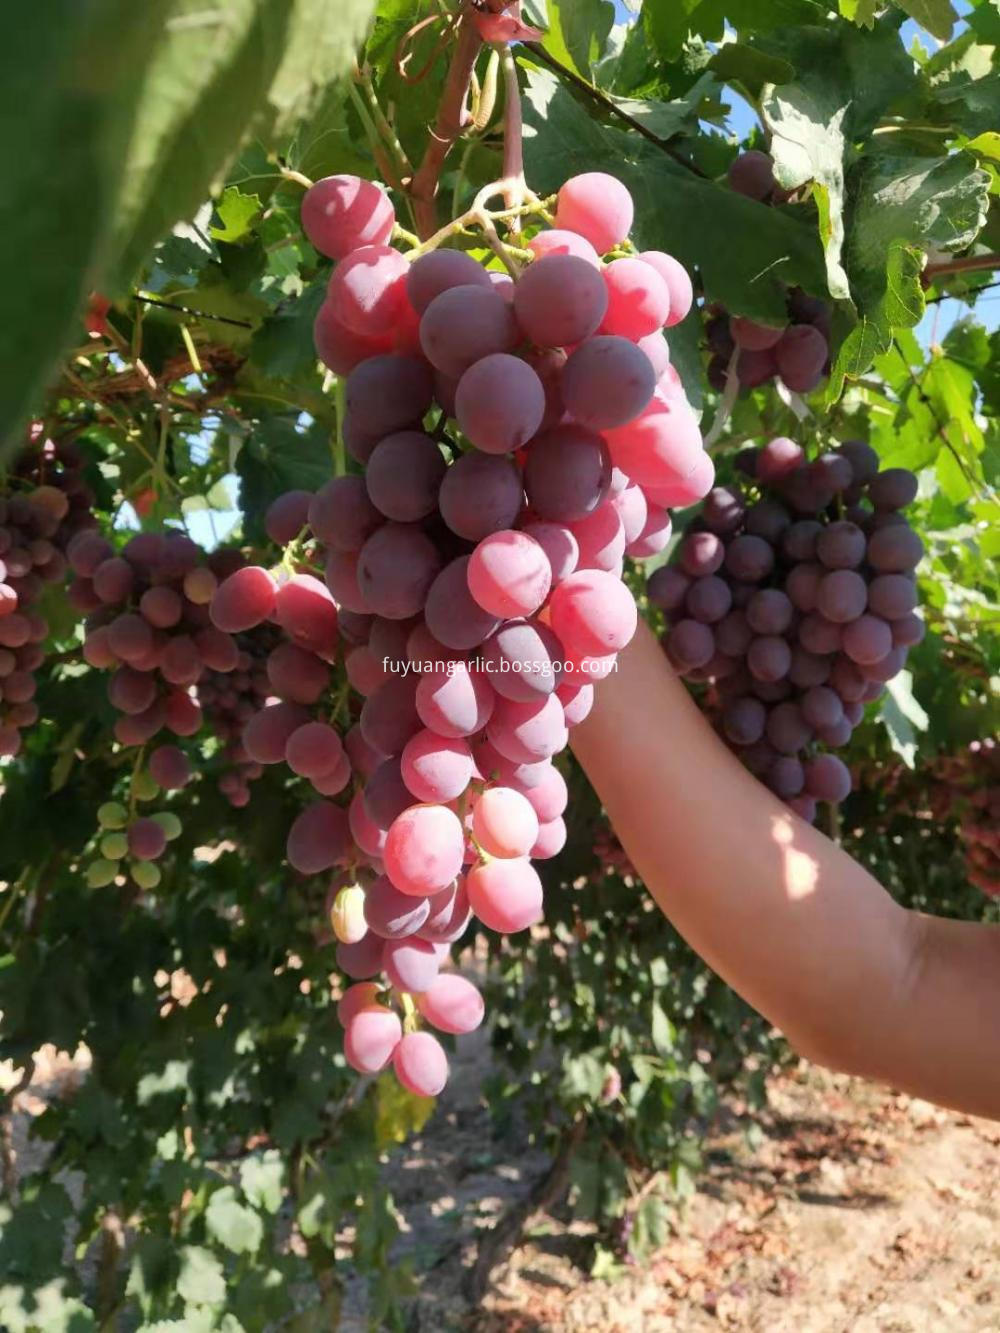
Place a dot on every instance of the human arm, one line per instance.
(788, 919)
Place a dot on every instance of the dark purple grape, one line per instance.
(802, 586)
(808, 669)
(567, 474)
(771, 691)
(821, 707)
(867, 640)
(767, 519)
(787, 730)
(847, 680)
(862, 458)
(690, 644)
(733, 634)
(396, 567)
(799, 540)
(827, 778)
(842, 595)
(480, 494)
(892, 596)
(752, 174)
(709, 599)
(832, 473)
(749, 558)
(701, 553)
(743, 720)
(907, 631)
(723, 510)
(819, 635)
(841, 546)
(836, 734)
(779, 458)
(785, 777)
(769, 611)
(895, 488)
(769, 658)
(452, 616)
(801, 356)
(894, 549)
(667, 588)
(886, 667)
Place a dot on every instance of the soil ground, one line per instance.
(847, 1208)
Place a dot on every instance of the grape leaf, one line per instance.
(937, 16)
(235, 212)
(846, 80)
(861, 12)
(201, 1280)
(578, 32)
(746, 252)
(232, 1223)
(73, 76)
(740, 63)
(897, 205)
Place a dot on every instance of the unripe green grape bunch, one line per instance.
(515, 433)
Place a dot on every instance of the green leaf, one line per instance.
(662, 1031)
(937, 16)
(232, 1223)
(736, 62)
(235, 212)
(578, 32)
(901, 713)
(861, 12)
(898, 204)
(846, 80)
(667, 26)
(986, 145)
(73, 75)
(984, 21)
(250, 64)
(262, 1180)
(278, 457)
(667, 119)
(201, 1280)
(747, 253)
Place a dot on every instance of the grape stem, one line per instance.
(513, 149)
(726, 403)
(410, 1020)
(297, 176)
(448, 125)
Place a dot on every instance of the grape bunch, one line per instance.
(795, 599)
(228, 700)
(46, 501)
(515, 438)
(795, 350)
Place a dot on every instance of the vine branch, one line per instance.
(967, 264)
(602, 100)
(447, 126)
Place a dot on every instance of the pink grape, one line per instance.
(421, 1064)
(319, 838)
(679, 492)
(161, 606)
(638, 299)
(365, 832)
(362, 959)
(560, 300)
(368, 290)
(393, 915)
(504, 822)
(410, 964)
(577, 701)
(267, 733)
(506, 895)
(499, 403)
(341, 213)
(341, 576)
(607, 381)
(313, 750)
(593, 613)
(307, 613)
(286, 516)
(527, 733)
(452, 1004)
(362, 995)
(596, 206)
(364, 670)
(662, 445)
(463, 325)
(342, 516)
(480, 494)
(436, 768)
(436, 272)
(243, 600)
(601, 539)
(560, 546)
(371, 1036)
(424, 850)
(548, 797)
(509, 574)
(677, 280)
(455, 703)
(169, 767)
(550, 841)
(295, 674)
(560, 242)
(146, 840)
(568, 473)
